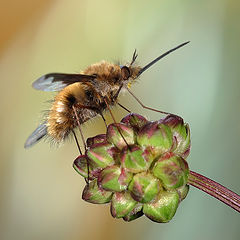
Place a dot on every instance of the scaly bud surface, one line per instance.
(139, 166)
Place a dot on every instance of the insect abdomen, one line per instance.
(60, 121)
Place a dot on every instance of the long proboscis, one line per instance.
(160, 57)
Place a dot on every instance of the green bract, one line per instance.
(139, 166)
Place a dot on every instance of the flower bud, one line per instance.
(144, 187)
(139, 166)
(163, 208)
(97, 139)
(172, 170)
(135, 121)
(113, 178)
(80, 165)
(134, 214)
(94, 194)
(183, 191)
(119, 134)
(122, 204)
(158, 136)
(181, 134)
(101, 155)
(134, 159)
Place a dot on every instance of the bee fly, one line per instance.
(83, 96)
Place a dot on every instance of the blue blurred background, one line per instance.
(40, 191)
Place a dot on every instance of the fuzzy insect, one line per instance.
(83, 96)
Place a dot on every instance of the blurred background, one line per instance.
(40, 191)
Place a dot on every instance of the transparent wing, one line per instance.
(37, 134)
(58, 81)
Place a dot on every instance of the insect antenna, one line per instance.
(119, 130)
(134, 57)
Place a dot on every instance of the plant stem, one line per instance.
(215, 189)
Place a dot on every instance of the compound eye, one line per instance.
(125, 72)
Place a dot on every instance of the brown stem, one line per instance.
(215, 189)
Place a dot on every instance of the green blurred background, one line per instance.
(40, 191)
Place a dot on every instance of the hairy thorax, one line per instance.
(88, 99)
(108, 77)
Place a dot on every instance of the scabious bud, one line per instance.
(181, 134)
(139, 166)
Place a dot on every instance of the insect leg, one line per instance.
(74, 134)
(116, 122)
(79, 126)
(103, 118)
(152, 109)
(117, 93)
(123, 107)
(83, 140)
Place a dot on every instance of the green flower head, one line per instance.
(138, 166)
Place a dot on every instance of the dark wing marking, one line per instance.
(37, 134)
(58, 81)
